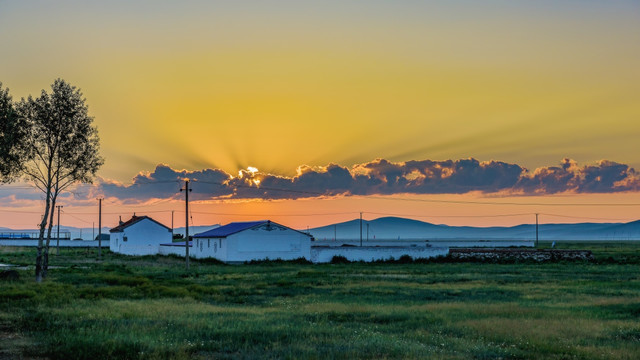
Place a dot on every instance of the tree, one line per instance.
(13, 134)
(63, 149)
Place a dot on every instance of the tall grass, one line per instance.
(151, 308)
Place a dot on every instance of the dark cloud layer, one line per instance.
(382, 177)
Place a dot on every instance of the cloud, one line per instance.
(378, 177)
(165, 182)
(436, 177)
(604, 177)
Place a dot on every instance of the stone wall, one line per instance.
(519, 254)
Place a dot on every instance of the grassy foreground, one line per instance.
(150, 307)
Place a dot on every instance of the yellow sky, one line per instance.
(278, 85)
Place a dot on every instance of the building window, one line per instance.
(124, 238)
(220, 243)
(201, 245)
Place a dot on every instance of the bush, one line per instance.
(339, 259)
(404, 259)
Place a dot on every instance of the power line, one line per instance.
(501, 203)
(157, 182)
(241, 214)
(75, 217)
(449, 216)
(120, 212)
(584, 217)
(73, 214)
(21, 212)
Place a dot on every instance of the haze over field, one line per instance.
(462, 113)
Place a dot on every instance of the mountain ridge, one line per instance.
(393, 228)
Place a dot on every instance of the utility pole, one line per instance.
(360, 228)
(58, 235)
(335, 232)
(537, 230)
(100, 228)
(186, 235)
(171, 225)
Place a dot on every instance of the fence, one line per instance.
(32, 235)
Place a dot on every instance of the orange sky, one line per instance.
(315, 212)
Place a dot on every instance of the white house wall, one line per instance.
(209, 248)
(256, 244)
(143, 238)
(260, 244)
(115, 240)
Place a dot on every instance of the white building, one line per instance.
(140, 235)
(256, 240)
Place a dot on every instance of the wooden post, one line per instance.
(100, 228)
(186, 235)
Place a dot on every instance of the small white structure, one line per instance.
(176, 248)
(140, 235)
(255, 240)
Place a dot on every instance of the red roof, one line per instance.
(135, 219)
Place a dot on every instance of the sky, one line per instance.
(446, 111)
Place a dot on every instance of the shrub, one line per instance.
(339, 259)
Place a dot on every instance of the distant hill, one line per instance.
(392, 228)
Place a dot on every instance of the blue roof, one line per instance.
(229, 229)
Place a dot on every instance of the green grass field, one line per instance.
(150, 307)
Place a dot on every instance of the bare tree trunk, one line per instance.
(43, 224)
(45, 260)
(39, 262)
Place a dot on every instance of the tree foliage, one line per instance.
(63, 143)
(62, 148)
(13, 135)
